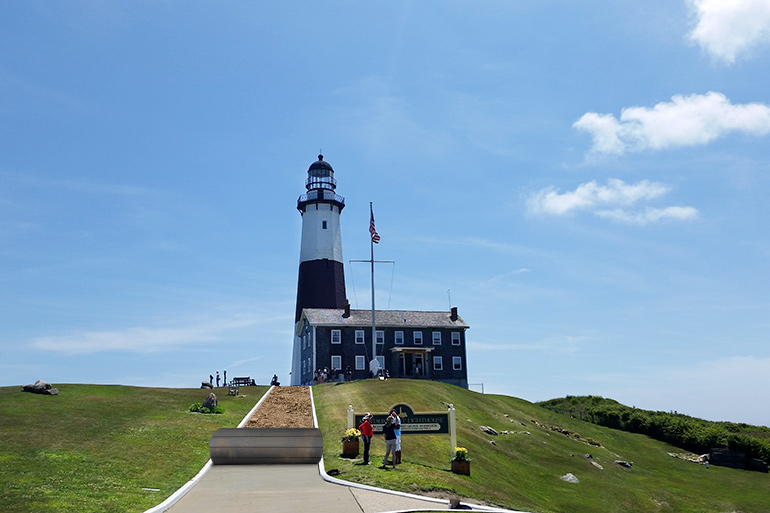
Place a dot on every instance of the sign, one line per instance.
(427, 423)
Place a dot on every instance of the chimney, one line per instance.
(347, 310)
(453, 315)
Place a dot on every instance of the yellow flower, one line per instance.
(461, 454)
(351, 435)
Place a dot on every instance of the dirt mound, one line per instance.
(284, 407)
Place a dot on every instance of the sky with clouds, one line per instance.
(586, 181)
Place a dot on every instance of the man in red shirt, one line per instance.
(366, 433)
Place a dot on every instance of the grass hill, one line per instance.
(522, 469)
(109, 448)
(105, 448)
(678, 429)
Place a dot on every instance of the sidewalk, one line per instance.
(286, 489)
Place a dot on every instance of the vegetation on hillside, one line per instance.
(114, 448)
(680, 430)
(105, 447)
(521, 467)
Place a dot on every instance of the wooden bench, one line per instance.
(241, 381)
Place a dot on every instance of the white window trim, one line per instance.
(379, 336)
(360, 337)
(455, 338)
(336, 367)
(360, 362)
(438, 363)
(414, 337)
(399, 341)
(339, 336)
(436, 339)
(457, 363)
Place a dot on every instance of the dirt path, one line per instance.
(284, 407)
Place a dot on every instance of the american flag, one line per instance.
(375, 236)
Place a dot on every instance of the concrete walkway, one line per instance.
(286, 489)
(289, 488)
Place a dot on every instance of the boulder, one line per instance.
(206, 384)
(210, 401)
(41, 387)
(569, 477)
(624, 464)
(488, 430)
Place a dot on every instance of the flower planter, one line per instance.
(461, 467)
(350, 448)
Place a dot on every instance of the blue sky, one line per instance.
(587, 181)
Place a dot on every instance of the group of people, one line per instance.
(211, 378)
(391, 432)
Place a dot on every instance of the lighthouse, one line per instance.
(321, 282)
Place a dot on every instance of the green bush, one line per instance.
(198, 408)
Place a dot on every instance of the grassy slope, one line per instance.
(522, 470)
(95, 447)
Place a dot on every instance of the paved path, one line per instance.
(286, 488)
(289, 488)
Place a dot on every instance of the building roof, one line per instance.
(383, 318)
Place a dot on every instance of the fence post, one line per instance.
(452, 432)
(351, 418)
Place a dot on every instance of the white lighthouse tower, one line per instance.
(321, 281)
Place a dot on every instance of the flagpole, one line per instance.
(371, 244)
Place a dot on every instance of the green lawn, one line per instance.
(97, 448)
(105, 448)
(522, 470)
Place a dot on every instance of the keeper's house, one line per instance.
(409, 344)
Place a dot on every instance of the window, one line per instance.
(457, 363)
(438, 363)
(436, 338)
(399, 338)
(359, 336)
(336, 337)
(381, 361)
(336, 362)
(380, 337)
(323, 225)
(360, 362)
(455, 338)
(418, 338)
(304, 366)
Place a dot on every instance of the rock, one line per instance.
(492, 442)
(488, 430)
(569, 477)
(597, 465)
(625, 464)
(333, 472)
(206, 384)
(210, 401)
(41, 387)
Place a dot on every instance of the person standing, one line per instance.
(366, 433)
(390, 442)
(224, 379)
(397, 430)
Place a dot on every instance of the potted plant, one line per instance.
(461, 464)
(350, 442)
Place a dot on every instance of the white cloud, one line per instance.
(649, 215)
(144, 339)
(617, 193)
(726, 28)
(684, 121)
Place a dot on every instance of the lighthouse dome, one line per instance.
(320, 167)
